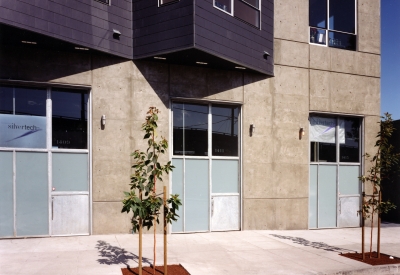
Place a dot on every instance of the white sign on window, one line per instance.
(22, 131)
(323, 129)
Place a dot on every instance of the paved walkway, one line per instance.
(239, 252)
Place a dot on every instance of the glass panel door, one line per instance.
(207, 166)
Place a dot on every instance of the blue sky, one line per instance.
(390, 67)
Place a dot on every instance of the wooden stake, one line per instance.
(378, 242)
(362, 227)
(165, 230)
(140, 240)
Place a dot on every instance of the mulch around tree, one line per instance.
(383, 260)
(147, 270)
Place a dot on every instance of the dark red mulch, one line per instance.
(383, 260)
(172, 270)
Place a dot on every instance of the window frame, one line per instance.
(246, 3)
(328, 30)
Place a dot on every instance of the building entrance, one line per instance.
(335, 190)
(206, 156)
(44, 162)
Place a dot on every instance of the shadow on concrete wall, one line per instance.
(32, 63)
(114, 255)
(169, 81)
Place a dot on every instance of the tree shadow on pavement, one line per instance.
(116, 255)
(317, 245)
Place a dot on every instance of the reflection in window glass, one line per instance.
(6, 100)
(247, 13)
(317, 36)
(342, 15)
(317, 13)
(190, 129)
(225, 130)
(342, 40)
(69, 119)
(254, 3)
(350, 149)
(30, 101)
(224, 5)
(163, 2)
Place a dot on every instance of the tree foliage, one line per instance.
(142, 199)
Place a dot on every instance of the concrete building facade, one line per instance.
(274, 172)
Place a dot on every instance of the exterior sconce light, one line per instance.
(103, 120)
(252, 129)
(301, 133)
(116, 34)
(266, 54)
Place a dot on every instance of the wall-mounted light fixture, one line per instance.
(266, 54)
(116, 34)
(103, 120)
(301, 132)
(252, 129)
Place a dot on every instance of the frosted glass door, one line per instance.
(349, 196)
(327, 197)
(196, 195)
(6, 195)
(32, 204)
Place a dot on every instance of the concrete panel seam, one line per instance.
(312, 69)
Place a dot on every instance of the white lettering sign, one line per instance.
(22, 131)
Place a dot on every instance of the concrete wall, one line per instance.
(275, 161)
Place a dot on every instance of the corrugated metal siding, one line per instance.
(84, 22)
(230, 38)
(161, 29)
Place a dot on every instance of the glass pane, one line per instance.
(350, 148)
(323, 139)
(225, 120)
(162, 2)
(224, 5)
(177, 188)
(247, 13)
(30, 101)
(313, 202)
(348, 211)
(342, 15)
(317, 36)
(317, 15)
(196, 129)
(225, 176)
(69, 119)
(6, 100)
(327, 208)
(22, 131)
(196, 195)
(254, 3)
(32, 216)
(177, 118)
(349, 184)
(342, 41)
(6, 195)
(70, 172)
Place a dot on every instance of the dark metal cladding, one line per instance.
(86, 23)
(168, 30)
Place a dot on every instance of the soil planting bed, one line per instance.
(374, 260)
(147, 270)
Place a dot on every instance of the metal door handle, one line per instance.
(52, 208)
(212, 206)
(340, 206)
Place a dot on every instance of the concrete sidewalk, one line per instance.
(238, 252)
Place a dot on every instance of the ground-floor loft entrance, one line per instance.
(206, 156)
(335, 190)
(44, 162)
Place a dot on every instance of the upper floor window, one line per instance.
(163, 2)
(107, 2)
(333, 23)
(248, 11)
